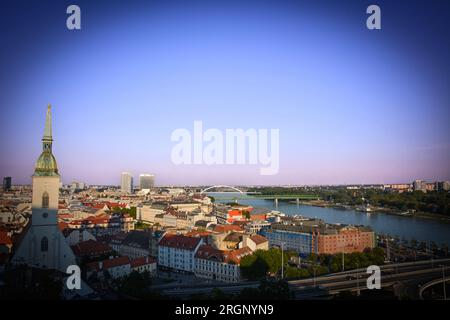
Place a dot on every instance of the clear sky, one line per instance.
(352, 105)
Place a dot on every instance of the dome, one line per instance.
(46, 165)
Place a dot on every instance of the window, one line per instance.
(45, 200)
(44, 244)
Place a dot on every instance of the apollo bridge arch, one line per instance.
(223, 186)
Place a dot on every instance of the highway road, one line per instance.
(327, 285)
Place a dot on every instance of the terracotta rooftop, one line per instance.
(197, 233)
(63, 225)
(5, 239)
(227, 228)
(90, 247)
(141, 261)
(180, 242)
(237, 255)
(258, 239)
(207, 252)
(115, 262)
(108, 204)
(233, 237)
(240, 223)
(109, 263)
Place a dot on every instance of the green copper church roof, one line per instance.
(46, 163)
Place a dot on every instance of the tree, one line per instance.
(293, 272)
(218, 294)
(276, 290)
(267, 290)
(135, 284)
(257, 265)
(142, 225)
(248, 294)
(253, 267)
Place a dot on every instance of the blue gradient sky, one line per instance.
(352, 105)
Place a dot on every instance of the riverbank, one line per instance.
(375, 210)
(421, 229)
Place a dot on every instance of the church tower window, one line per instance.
(45, 200)
(44, 244)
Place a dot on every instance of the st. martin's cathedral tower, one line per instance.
(44, 246)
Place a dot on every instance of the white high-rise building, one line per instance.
(146, 181)
(75, 185)
(126, 183)
(44, 245)
(420, 185)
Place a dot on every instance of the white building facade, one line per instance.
(177, 252)
(126, 182)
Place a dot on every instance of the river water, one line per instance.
(404, 227)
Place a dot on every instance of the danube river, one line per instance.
(404, 227)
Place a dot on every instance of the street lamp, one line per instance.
(443, 280)
(357, 280)
(282, 260)
(342, 247)
(314, 270)
(388, 251)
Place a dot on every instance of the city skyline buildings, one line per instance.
(146, 181)
(347, 100)
(7, 183)
(126, 182)
(177, 183)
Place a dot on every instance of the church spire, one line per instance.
(48, 124)
(46, 163)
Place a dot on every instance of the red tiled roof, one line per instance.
(90, 247)
(209, 253)
(206, 251)
(101, 205)
(180, 242)
(141, 261)
(197, 233)
(109, 263)
(234, 212)
(5, 239)
(236, 255)
(258, 239)
(65, 215)
(233, 237)
(227, 228)
(63, 225)
(115, 262)
(100, 219)
(240, 223)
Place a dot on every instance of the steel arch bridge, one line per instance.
(223, 186)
